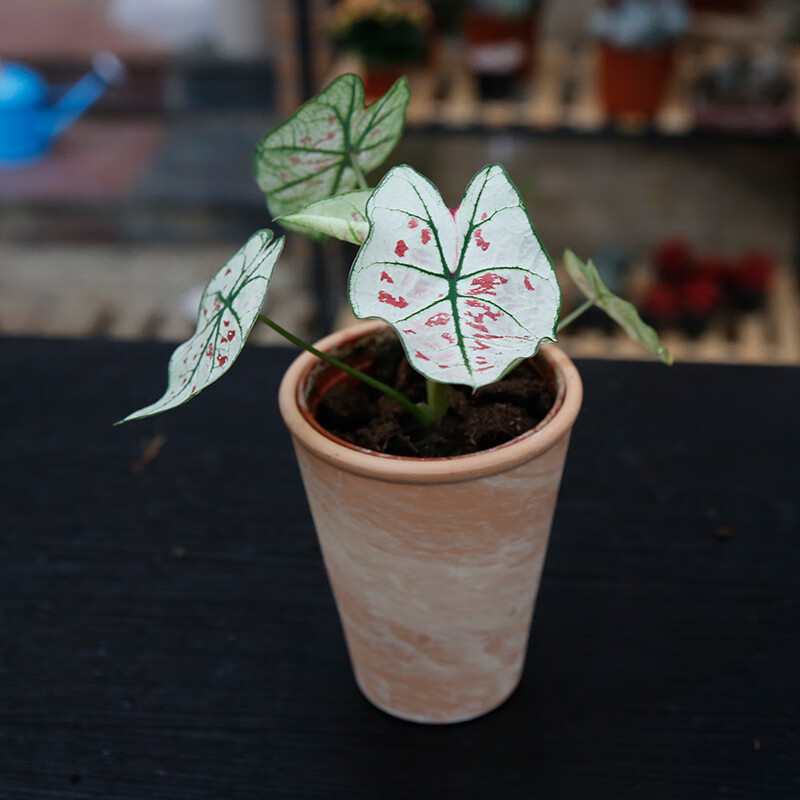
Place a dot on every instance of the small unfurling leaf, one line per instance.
(343, 217)
(588, 280)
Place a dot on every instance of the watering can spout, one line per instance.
(107, 70)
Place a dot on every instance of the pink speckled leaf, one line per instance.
(228, 310)
(470, 291)
(310, 156)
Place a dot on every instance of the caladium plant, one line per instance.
(329, 144)
(229, 308)
(470, 291)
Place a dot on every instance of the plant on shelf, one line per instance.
(501, 43)
(749, 92)
(637, 47)
(388, 36)
(434, 560)
(691, 290)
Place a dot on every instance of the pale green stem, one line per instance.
(421, 414)
(354, 165)
(438, 396)
(574, 315)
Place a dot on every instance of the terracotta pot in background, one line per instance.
(500, 50)
(434, 563)
(634, 81)
(379, 79)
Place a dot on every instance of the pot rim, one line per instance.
(404, 469)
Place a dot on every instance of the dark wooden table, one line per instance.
(166, 629)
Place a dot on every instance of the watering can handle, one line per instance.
(107, 70)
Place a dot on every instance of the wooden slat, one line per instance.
(713, 345)
(783, 305)
(585, 112)
(622, 346)
(544, 108)
(423, 100)
(343, 64)
(72, 316)
(753, 345)
(460, 108)
(24, 315)
(128, 322)
(500, 114)
(677, 344)
(736, 29)
(174, 328)
(590, 344)
(677, 116)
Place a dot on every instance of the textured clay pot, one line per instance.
(434, 563)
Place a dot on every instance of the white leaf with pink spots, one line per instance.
(469, 291)
(228, 310)
(311, 155)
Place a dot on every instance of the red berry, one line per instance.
(661, 302)
(755, 272)
(701, 296)
(674, 259)
(714, 268)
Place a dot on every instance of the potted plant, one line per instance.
(637, 46)
(389, 36)
(431, 444)
(501, 43)
(747, 93)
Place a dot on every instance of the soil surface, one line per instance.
(476, 421)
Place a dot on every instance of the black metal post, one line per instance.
(324, 312)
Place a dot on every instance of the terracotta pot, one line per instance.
(379, 79)
(500, 50)
(434, 563)
(634, 81)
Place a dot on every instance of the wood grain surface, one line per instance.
(167, 631)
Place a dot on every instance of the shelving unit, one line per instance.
(767, 336)
(561, 100)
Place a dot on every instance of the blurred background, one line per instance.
(656, 136)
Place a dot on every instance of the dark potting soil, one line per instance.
(491, 416)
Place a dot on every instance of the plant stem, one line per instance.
(438, 396)
(574, 315)
(354, 165)
(421, 414)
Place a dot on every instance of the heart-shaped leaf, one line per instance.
(588, 280)
(469, 291)
(343, 217)
(315, 153)
(228, 310)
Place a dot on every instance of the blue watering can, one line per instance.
(28, 124)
